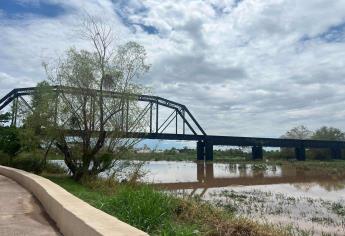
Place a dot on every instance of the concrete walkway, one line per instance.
(21, 213)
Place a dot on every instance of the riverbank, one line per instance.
(294, 196)
(159, 213)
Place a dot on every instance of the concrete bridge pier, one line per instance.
(336, 153)
(200, 150)
(209, 174)
(204, 172)
(204, 150)
(300, 153)
(200, 171)
(208, 151)
(257, 153)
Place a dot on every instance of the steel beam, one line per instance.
(7, 99)
(176, 125)
(157, 117)
(150, 117)
(186, 116)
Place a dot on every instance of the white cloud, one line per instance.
(246, 67)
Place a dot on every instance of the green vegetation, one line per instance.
(339, 209)
(9, 141)
(72, 111)
(186, 154)
(159, 213)
(267, 205)
(230, 155)
(302, 132)
(29, 162)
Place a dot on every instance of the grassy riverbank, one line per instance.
(159, 213)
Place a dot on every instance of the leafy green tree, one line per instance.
(325, 133)
(9, 140)
(298, 132)
(4, 118)
(40, 129)
(9, 137)
(86, 125)
(329, 133)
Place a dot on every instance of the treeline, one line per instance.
(302, 132)
(323, 133)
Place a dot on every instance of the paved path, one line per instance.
(21, 213)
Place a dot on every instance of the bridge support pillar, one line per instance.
(300, 153)
(336, 153)
(200, 171)
(209, 171)
(200, 150)
(208, 151)
(257, 153)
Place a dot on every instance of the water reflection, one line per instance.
(287, 179)
(187, 175)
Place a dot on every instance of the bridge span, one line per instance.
(184, 125)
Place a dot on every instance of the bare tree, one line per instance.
(88, 121)
(298, 132)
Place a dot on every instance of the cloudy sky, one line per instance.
(243, 67)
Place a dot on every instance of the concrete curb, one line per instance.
(72, 216)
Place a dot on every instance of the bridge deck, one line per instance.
(244, 141)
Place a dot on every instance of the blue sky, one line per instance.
(20, 9)
(249, 68)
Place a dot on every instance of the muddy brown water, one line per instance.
(283, 179)
(307, 202)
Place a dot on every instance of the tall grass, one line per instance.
(141, 207)
(31, 163)
(159, 213)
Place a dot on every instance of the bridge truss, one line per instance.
(175, 123)
(179, 118)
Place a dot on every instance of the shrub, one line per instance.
(5, 159)
(54, 168)
(9, 140)
(25, 162)
(28, 163)
(141, 207)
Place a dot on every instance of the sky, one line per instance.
(242, 67)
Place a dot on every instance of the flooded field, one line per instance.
(307, 200)
(311, 202)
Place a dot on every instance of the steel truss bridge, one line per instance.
(179, 125)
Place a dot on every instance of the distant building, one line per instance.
(145, 149)
(158, 151)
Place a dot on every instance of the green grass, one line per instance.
(159, 213)
(140, 206)
(338, 209)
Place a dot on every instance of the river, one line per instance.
(307, 201)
